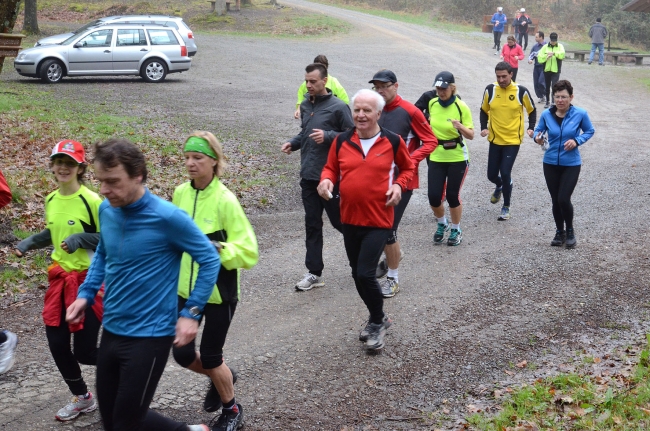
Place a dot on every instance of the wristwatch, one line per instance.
(195, 312)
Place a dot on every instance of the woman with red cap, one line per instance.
(72, 227)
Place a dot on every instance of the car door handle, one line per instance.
(107, 51)
(144, 49)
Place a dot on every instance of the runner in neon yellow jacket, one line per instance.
(218, 214)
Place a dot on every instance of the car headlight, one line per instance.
(37, 44)
(21, 56)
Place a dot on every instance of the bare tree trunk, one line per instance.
(31, 20)
(8, 14)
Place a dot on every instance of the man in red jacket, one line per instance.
(403, 118)
(361, 162)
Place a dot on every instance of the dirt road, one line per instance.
(464, 314)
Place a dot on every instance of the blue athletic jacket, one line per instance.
(575, 121)
(501, 17)
(138, 258)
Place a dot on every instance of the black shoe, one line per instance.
(560, 237)
(212, 401)
(570, 239)
(229, 420)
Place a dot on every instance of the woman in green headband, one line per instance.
(217, 212)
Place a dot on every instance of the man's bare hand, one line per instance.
(186, 330)
(325, 189)
(76, 311)
(296, 114)
(484, 133)
(318, 136)
(393, 195)
(18, 252)
(64, 247)
(286, 148)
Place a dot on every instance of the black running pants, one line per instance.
(497, 39)
(364, 246)
(85, 349)
(501, 158)
(128, 371)
(550, 78)
(445, 181)
(561, 181)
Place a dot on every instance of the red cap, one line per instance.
(70, 148)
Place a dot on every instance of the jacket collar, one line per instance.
(322, 97)
(394, 103)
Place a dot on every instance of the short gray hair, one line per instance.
(379, 101)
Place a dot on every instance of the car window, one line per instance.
(97, 39)
(162, 37)
(131, 37)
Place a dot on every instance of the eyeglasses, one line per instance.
(561, 97)
(65, 162)
(383, 87)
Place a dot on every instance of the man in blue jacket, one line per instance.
(499, 20)
(538, 70)
(138, 257)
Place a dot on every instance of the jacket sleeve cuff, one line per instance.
(185, 313)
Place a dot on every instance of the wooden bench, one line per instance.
(638, 58)
(237, 5)
(213, 6)
(578, 54)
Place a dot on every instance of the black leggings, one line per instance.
(128, 371)
(85, 349)
(364, 245)
(501, 158)
(448, 176)
(514, 73)
(217, 321)
(561, 181)
(497, 39)
(550, 78)
(399, 212)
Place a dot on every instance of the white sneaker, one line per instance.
(77, 406)
(310, 280)
(201, 427)
(7, 350)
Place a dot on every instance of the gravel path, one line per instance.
(464, 313)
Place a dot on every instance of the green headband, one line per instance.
(199, 145)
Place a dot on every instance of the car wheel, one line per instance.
(154, 70)
(51, 71)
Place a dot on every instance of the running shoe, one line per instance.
(363, 335)
(309, 281)
(505, 214)
(547, 105)
(559, 239)
(439, 236)
(495, 197)
(389, 287)
(455, 237)
(376, 333)
(542, 100)
(77, 405)
(570, 239)
(7, 352)
(382, 267)
(201, 427)
(212, 401)
(229, 419)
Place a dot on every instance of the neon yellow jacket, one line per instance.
(551, 63)
(332, 83)
(218, 214)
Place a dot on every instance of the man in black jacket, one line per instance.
(523, 21)
(323, 116)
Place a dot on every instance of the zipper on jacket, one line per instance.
(196, 199)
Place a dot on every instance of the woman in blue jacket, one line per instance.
(568, 128)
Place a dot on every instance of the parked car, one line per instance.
(171, 21)
(149, 50)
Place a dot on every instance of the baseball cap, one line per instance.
(443, 79)
(553, 36)
(384, 75)
(499, 8)
(522, 10)
(70, 148)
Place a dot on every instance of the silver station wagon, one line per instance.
(148, 50)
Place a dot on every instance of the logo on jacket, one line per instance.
(207, 221)
(511, 97)
(70, 222)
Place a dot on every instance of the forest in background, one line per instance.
(567, 16)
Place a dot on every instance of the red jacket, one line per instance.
(403, 118)
(63, 292)
(5, 193)
(364, 180)
(509, 55)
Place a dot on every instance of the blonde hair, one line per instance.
(221, 165)
(512, 38)
(453, 88)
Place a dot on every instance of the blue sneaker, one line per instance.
(505, 214)
(455, 237)
(439, 236)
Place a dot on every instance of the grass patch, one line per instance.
(577, 402)
(645, 81)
